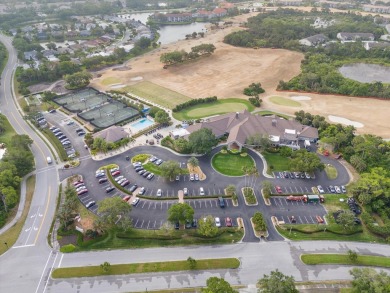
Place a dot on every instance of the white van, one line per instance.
(49, 161)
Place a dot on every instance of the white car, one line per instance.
(159, 192)
(338, 190)
(91, 203)
(70, 122)
(320, 189)
(135, 201)
(217, 222)
(119, 178)
(185, 191)
(81, 188)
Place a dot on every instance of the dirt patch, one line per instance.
(196, 170)
(85, 224)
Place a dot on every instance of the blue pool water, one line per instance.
(142, 124)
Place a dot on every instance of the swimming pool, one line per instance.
(142, 124)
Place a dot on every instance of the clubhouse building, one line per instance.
(239, 126)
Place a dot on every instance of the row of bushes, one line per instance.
(335, 229)
(194, 102)
(383, 231)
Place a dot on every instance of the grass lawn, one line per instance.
(284, 102)
(343, 259)
(156, 94)
(151, 267)
(110, 80)
(137, 238)
(8, 133)
(270, 113)
(331, 171)
(250, 197)
(231, 165)
(216, 108)
(276, 162)
(12, 234)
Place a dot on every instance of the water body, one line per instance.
(364, 72)
(171, 33)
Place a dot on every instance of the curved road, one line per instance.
(27, 265)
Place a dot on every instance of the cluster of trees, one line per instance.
(194, 102)
(98, 144)
(17, 162)
(175, 57)
(180, 213)
(3, 56)
(254, 90)
(113, 212)
(304, 161)
(68, 209)
(259, 222)
(77, 80)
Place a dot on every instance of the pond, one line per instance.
(364, 72)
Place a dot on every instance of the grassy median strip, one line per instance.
(344, 259)
(152, 267)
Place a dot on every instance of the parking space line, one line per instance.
(280, 201)
(150, 203)
(135, 225)
(306, 220)
(148, 225)
(227, 203)
(300, 219)
(142, 224)
(314, 220)
(154, 226)
(143, 204)
(273, 200)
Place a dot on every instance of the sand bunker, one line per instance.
(301, 98)
(345, 121)
(137, 78)
(117, 86)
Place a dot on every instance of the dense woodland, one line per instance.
(17, 162)
(370, 156)
(285, 27)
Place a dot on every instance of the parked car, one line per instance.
(90, 204)
(116, 173)
(338, 190)
(82, 191)
(78, 182)
(194, 223)
(103, 180)
(278, 189)
(112, 170)
(55, 130)
(192, 178)
(177, 225)
(142, 191)
(307, 175)
(201, 191)
(286, 174)
(178, 178)
(100, 175)
(221, 202)
(150, 176)
(331, 188)
(110, 188)
(188, 225)
(196, 177)
(153, 159)
(292, 219)
(145, 175)
(133, 187)
(125, 183)
(71, 122)
(81, 133)
(81, 188)
(79, 130)
(159, 192)
(119, 178)
(141, 172)
(320, 189)
(343, 189)
(217, 222)
(126, 198)
(135, 201)
(228, 222)
(159, 162)
(52, 111)
(122, 180)
(185, 191)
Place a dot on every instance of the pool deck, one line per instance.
(134, 130)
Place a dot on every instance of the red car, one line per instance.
(78, 182)
(125, 183)
(126, 198)
(278, 189)
(82, 191)
(228, 222)
(116, 173)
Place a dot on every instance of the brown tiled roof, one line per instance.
(243, 124)
(112, 134)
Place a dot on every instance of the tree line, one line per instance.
(17, 162)
(176, 57)
(194, 102)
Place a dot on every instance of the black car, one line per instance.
(139, 168)
(79, 130)
(177, 225)
(194, 223)
(141, 172)
(286, 174)
(52, 111)
(292, 176)
(146, 174)
(109, 189)
(133, 188)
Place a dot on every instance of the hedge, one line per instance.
(383, 231)
(194, 102)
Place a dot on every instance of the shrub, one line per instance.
(140, 158)
(194, 102)
(68, 248)
(244, 154)
(249, 195)
(259, 222)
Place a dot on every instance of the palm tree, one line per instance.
(194, 162)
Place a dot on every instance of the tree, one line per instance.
(259, 222)
(193, 162)
(277, 282)
(267, 188)
(78, 79)
(368, 280)
(346, 220)
(170, 169)
(106, 267)
(259, 140)
(162, 117)
(352, 255)
(285, 151)
(217, 285)
(202, 141)
(115, 212)
(191, 263)
(206, 227)
(305, 161)
(180, 212)
(253, 89)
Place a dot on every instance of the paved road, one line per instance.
(27, 259)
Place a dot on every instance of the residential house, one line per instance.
(112, 134)
(289, 2)
(85, 33)
(353, 37)
(173, 17)
(376, 8)
(49, 53)
(31, 55)
(42, 35)
(313, 41)
(240, 126)
(13, 31)
(219, 12)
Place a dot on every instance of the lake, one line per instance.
(171, 33)
(364, 72)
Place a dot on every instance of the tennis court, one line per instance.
(82, 100)
(109, 114)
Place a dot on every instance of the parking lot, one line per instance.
(304, 213)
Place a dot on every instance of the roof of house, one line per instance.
(243, 124)
(354, 35)
(112, 134)
(316, 38)
(219, 10)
